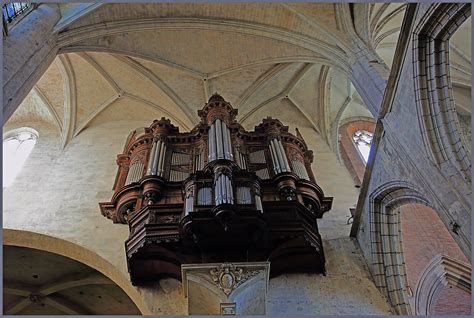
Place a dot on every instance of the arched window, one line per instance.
(355, 139)
(17, 146)
(363, 141)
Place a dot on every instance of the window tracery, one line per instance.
(17, 146)
(363, 140)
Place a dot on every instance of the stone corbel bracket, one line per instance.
(226, 281)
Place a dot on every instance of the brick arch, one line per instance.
(348, 150)
(388, 265)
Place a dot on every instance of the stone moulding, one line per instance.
(440, 272)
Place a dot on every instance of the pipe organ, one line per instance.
(218, 193)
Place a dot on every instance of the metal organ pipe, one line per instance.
(286, 165)
(217, 191)
(300, 169)
(212, 143)
(276, 163)
(243, 161)
(226, 142)
(152, 158)
(227, 152)
(224, 189)
(220, 152)
(258, 203)
(161, 159)
(220, 144)
(189, 204)
(279, 155)
(230, 194)
(155, 158)
(135, 172)
(198, 162)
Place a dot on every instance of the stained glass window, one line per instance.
(363, 141)
(17, 146)
(13, 9)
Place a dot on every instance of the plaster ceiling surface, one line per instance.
(165, 60)
(267, 57)
(143, 70)
(109, 87)
(300, 18)
(40, 282)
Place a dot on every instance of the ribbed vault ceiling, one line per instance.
(42, 283)
(154, 60)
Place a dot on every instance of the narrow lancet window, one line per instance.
(363, 141)
(17, 146)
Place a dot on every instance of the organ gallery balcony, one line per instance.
(217, 194)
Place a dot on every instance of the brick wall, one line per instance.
(453, 301)
(424, 237)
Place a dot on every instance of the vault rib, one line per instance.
(70, 99)
(315, 24)
(108, 78)
(304, 113)
(158, 107)
(322, 93)
(47, 103)
(83, 124)
(160, 84)
(256, 86)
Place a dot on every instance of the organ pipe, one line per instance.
(228, 151)
(276, 164)
(279, 156)
(223, 189)
(157, 156)
(135, 172)
(161, 160)
(219, 142)
(152, 158)
(280, 162)
(220, 152)
(189, 203)
(300, 169)
(283, 155)
(212, 143)
(258, 203)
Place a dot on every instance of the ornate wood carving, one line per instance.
(276, 218)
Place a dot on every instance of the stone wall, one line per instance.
(401, 156)
(347, 288)
(403, 172)
(58, 190)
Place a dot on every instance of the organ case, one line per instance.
(218, 193)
